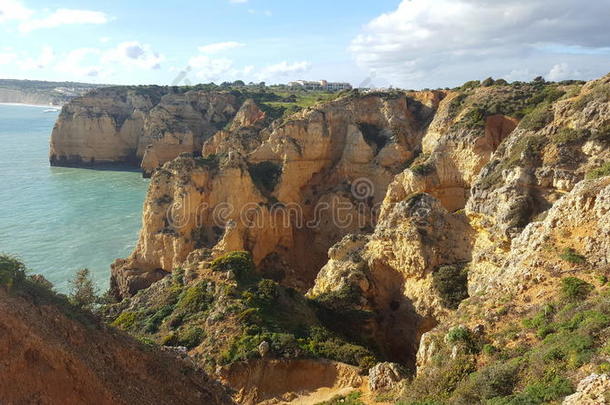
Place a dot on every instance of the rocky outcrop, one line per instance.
(592, 390)
(302, 186)
(548, 154)
(145, 126)
(393, 269)
(386, 376)
(50, 358)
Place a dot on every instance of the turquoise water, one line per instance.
(58, 220)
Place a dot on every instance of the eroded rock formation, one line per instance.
(466, 209)
(145, 126)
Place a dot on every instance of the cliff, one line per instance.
(462, 234)
(54, 352)
(140, 125)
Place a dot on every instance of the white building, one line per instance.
(320, 85)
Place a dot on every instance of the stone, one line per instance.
(386, 376)
(591, 390)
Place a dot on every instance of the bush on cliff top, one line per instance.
(239, 262)
(12, 271)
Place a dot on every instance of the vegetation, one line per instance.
(352, 398)
(15, 279)
(420, 165)
(600, 172)
(248, 310)
(451, 283)
(526, 148)
(538, 118)
(536, 363)
(570, 255)
(239, 262)
(265, 175)
(12, 271)
(569, 135)
(82, 290)
(575, 289)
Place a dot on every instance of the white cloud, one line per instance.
(64, 16)
(133, 54)
(211, 69)
(267, 13)
(426, 42)
(13, 10)
(284, 69)
(28, 19)
(562, 71)
(220, 46)
(79, 63)
(43, 61)
(6, 58)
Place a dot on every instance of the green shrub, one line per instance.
(488, 82)
(461, 334)
(575, 289)
(12, 271)
(451, 283)
(190, 338)
(435, 384)
(423, 169)
(602, 134)
(153, 323)
(265, 175)
(602, 171)
(568, 135)
(127, 320)
(495, 380)
(194, 299)
(352, 398)
(547, 390)
(473, 119)
(538, 118)
(570, 255)
(470, 85)
(239, 262)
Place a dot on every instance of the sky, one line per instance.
(382, 43)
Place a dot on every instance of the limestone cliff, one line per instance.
(286, 193)
(426, 226)
(145, 126)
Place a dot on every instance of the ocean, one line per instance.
(59, 220)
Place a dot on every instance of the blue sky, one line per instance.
(408, 43)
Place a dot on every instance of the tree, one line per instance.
(488, 82)
(82, 290)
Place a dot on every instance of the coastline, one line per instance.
(33, 105)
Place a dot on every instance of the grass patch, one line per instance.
(572, 256)
(600, 172)
(538, 118)
(352, 398)
(575, 289)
